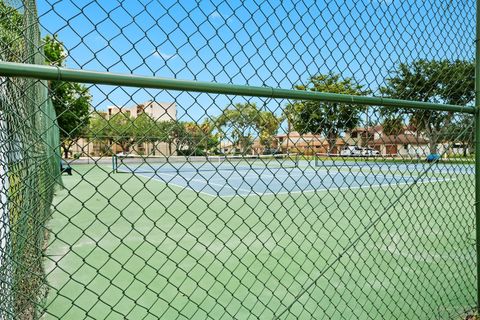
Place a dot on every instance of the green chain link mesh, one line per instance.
(193, 205)
(29, 166)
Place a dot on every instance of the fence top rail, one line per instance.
(42, 72)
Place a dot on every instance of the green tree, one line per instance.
(70, 100)
(241, 120)
(393, 125)
(267, 125)
(460, 131)
(190, 141)
(11, 26)
(121, 131)
(197, 139)
(127, 131)
(326, 118)
(457, 82)
(97, 127)
(289, 114)
(430, 81)
(98, 132)
(170, 132)
(210, 140)
(146, 130)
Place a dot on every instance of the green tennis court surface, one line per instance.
(150, 249)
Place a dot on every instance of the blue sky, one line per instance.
(273, 43)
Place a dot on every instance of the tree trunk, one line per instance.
(432, 140)
(289, 129)
(431, 135)
(66, 148)
(123, 145)
(243, 145)
(332, 141)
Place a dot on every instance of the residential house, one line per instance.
(362, 137)
(307, 144)
(227, 147)
(409, 142)
(402, 145)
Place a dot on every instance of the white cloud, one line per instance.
(164, 55)
(215, 15)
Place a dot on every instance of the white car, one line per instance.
(370, 152)
(351, 151)
(356, 151)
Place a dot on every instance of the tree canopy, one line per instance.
(245, 122)
(11, 25)
(326, 118)
(70, 100)
(393, 125)
(188, 138)
(430, 81)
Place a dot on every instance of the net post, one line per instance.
(114, 164)
(477, 149)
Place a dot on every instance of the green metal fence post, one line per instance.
(477, 147)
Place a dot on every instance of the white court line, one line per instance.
(301, 174)
(170, 183)
(339, 189)
(207, 182)
(204, 182)
(253, 193)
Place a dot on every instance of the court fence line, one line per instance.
(12, 69)
(286, 233)
(477, 147)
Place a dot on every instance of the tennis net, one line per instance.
(155, 164)
(374, 160)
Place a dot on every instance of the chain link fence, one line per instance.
(237, 159)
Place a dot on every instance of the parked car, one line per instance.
(122, 154)
(217, 152)
(271, 151)
(370, 152)
(351, 151)
(65, 167)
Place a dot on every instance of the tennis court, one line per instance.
(246, 175)
(176, 251)
(169, 159)
(274, 181)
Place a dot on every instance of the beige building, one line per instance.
(158, 111)
(402, 145)
(308, 144)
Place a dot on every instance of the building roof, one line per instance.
(310, 142)
(400, 139)
(295, 134)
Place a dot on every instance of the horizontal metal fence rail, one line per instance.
(11, 69)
